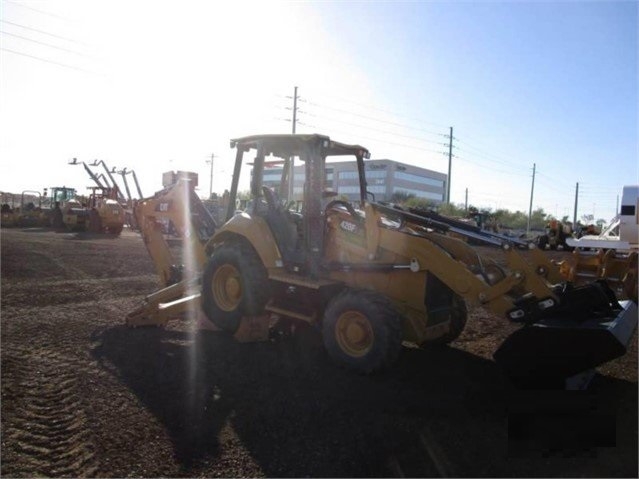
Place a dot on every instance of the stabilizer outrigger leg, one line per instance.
(159, 307)
(547, 352)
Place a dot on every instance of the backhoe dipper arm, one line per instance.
(154, 241)
(180, 205)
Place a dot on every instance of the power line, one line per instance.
(493, 157)
(483, 160)
(43, 32)
(423, 130)
(375, 129)
(476, 140)
(603, 188)
(383, 110)
(37, 10)
(466, 160)
(384, 141)
(47, 61)
(42, 43)
(487, 195)
(554, 181)
(544, 182)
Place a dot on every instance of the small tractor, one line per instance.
(100, 213)
(28, 214)
(555, 236)
(106, 214)
(370, 276)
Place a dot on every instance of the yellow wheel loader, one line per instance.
(371, 276)
(105, 213)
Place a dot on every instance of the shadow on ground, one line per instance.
(437, 412)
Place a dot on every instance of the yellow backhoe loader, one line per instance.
(370, 275)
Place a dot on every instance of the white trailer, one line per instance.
(623, 231)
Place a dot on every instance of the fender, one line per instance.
(255, 231)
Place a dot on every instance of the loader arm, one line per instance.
(458, 265)
(566, 329)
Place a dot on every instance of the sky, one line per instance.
(154, 86)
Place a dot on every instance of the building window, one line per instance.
(422, 180)
(349, 190)
(348, 175)
(418, 193)
(275, 177)
(353, 175)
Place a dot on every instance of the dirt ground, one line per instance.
(83, 396)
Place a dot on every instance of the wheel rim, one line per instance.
(354, 333)
(227, 287)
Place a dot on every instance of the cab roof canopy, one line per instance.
(287, 145)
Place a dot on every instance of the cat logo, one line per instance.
(348, 226)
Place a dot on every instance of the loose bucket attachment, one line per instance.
(548, 352)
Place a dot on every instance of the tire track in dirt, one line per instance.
(49, 431)
(81, 291)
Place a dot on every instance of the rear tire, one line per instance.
(234, 284)
(94, 222)
(362, 331)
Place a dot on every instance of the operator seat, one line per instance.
(283, 226)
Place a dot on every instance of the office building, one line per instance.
(384, 178)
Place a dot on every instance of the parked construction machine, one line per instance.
(613, 254)
(29, 213)
(103, 212)
(371, 276)
(555, 236)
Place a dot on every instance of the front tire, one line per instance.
(234, 284)
(458, 318)
(362, 331)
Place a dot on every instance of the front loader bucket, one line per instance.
(545, 354)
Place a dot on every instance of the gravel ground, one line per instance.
(84, 396)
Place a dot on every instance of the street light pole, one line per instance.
(211, 181)
(532, 191)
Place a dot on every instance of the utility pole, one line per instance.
(291, 160)
(294, 109)
(211, 184)
(574, 218)
(450, 162)
(532, 191)
(466, 202)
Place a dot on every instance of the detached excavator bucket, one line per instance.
(547, 353)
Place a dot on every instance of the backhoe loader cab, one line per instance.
(372, 276)
(298, 237)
